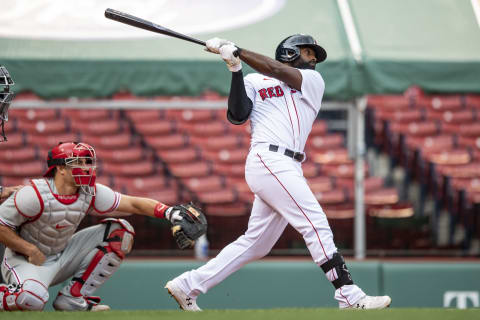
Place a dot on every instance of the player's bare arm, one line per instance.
(272, 68)
(11, 240)
(137, 205)
(5, 192)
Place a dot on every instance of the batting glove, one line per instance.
(213, 45)
(227, 52)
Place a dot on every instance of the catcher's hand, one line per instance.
(188, 224)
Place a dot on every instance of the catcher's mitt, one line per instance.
(188, 224)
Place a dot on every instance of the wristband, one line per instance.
(159, 210)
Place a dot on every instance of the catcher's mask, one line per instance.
(289, 49)
(80, 157)
(6, 97)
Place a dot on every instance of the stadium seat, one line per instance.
(320, 184)
(190, 115)
(19, 155)
(156, 128)
(310, 169)
(47, 142)
(210, 128)
(98, 127)
(441, 102)
(136, 169)
(43, 127)
(334, 196)
(319, 128)
(88, 115)
(144, 184)
(232, 170)
(391, 211)
(185, 155)
(115, 141)
(34, 114)
(218, 197)
(132, 154)
(226, 156)
(327, 142)
(190, 170)
(30, 169)
(331, 156)
(168, 142)
(16, 140)
(383, 196)
(141, 116)
(205, 184)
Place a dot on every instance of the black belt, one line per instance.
(289, 153)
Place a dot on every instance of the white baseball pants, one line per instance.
(282, 196)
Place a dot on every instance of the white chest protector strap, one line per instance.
(31, 295)
(117, 242)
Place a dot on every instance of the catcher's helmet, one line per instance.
(6, 97)
(80, 157)
(289, 49)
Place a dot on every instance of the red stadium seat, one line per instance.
(144, 184)
(30, 169)
(339, 211)
(320, 184)
(232, 170)
(168, 196)
(33, 114)
(217, 197)
(156, 128)
(472, 101)
(15, 181)
(88, 115)
(132, 154)
(226, 156)
(191, 115)
(18, 155)
(332, 156)
(393, 102)
(116, 141)
(43, 127)
(211, 128)
(190, 170)
(461, 116)
(47, 142)
(329, 141)
(137, 169)
(384, 196)
(141, 116)
(447, 157)
(173, 141)
(331, 197)
(205, 184)
(393, 211)
(441, 103)
(229, 142)
(15, 140)
(185, 155)
(98, 127)
(319, 128)
(310, 169)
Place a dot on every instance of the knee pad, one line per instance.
(337, 263)
(32, 295)
(117, 242)
(119, 236)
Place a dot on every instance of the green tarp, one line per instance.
(433, 43)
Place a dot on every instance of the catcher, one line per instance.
(38, 224)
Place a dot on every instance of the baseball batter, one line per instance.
(38, 224)
(282, 101)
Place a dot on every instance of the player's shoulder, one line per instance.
(28, 202)
(312, 76)
(106, 199)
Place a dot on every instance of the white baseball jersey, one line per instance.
(49, 220)
(282, 115)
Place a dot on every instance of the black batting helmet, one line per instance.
(289, 49)
(6, 97)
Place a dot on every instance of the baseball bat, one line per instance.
(147, 25)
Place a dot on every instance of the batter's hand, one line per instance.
(214, 44)
(36, 257)
(234, 63)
